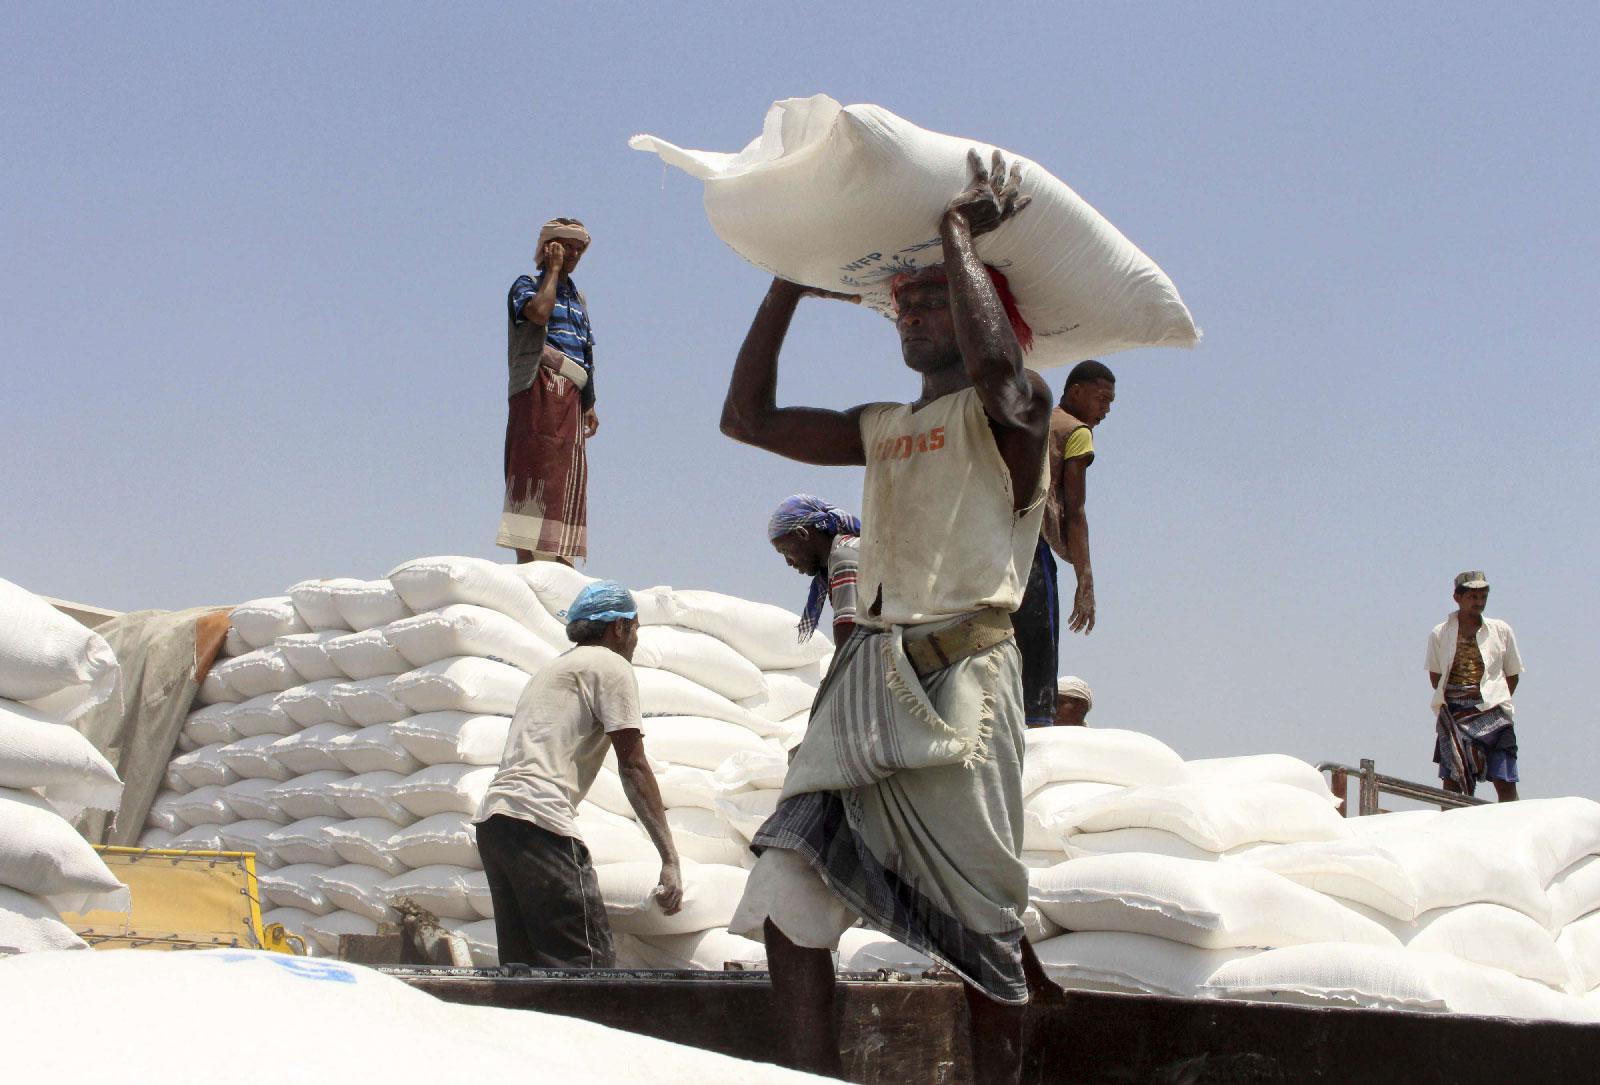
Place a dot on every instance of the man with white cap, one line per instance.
(550, 351)
(547, 907)
(1073, 701)
(1474, 667)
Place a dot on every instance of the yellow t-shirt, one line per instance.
(1080, 442)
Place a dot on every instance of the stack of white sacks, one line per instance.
(351, 732)
(52, 670)
(350, 736)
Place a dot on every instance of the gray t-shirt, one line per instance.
(559, 737)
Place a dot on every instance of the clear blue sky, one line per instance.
(253, 315)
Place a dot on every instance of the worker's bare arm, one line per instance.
(751, 413)
(644, 795)
(1074, 498)
(1511, 683)
(1017, 400)
(1433, 680)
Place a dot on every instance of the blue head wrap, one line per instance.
(602, 601)
(809, 511)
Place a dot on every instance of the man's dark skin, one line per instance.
(1469, 613)
(1089, 402)
(954, 336)
(806, 551)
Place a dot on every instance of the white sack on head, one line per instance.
(58, 666)
(844, 197)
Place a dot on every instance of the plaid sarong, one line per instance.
(926, 854)
(546, 467)
(1464, 734)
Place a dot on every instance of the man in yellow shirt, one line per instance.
(1091, 388)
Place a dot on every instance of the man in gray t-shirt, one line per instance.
(547, 907)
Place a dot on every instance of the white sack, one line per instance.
(711, 950)
(747, 811)
(478, 894)
(254, 758)
(251, 800)
(366, 841)
(464, 629)
(327, 929)
(1497, 937)
(1390, 979)
(305, 841)
(433, 583)
(314, 703)
(761, 770)
(356, 888)
(760, 632)
(233, 644)
(262, 621)
(463, 684)
(704, 837)
(373, 749)
(453, 738)
(369, 795)
(263, 715)
(1214, 820)
(367, 604)
(1208, 905)
(367, 654)
(554, 584)
(156, 838)
(1102, 754)
(865, 950)
(440, 889)
(202, 768)
(308, 796)
(444, 789)
(710, 895)
(606, 793)
(843, 197)
(702, 659)
(442, 839)
(1053, 803)
(1133, 963)
(199, 838)
(786, 694)
(265, 670)
(37, 751)
(662, 693)
(211, 723)
(30, 925)
(1274, 768)
(1579, 943)
(307, 653)
(1575, 891)
(42, 854)
(685, 785)
(369, 701)
(614, 839)
(164, 813)
(296, 887)
(57, 665)
(309, 750)
(702, 743)
(314, 600)
(1548, 835)
(251, 835)
(1149, 841)
(202, 806)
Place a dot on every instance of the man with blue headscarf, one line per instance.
(823, 542)
(548, 912)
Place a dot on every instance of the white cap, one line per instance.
(1070, 685)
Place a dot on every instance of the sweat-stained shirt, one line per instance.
(560, 735)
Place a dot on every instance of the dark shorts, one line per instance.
(1499, 755)
(1038, 626)
(547, 907)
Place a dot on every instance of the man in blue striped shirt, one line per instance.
(550, 353)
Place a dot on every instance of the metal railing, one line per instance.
(1373, 783)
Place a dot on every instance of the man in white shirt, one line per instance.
(1474, 667)
(548, 912)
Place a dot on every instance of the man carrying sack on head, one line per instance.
(902, 806)
(550, 350)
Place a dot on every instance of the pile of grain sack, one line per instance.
(52, 670)
(350, 735)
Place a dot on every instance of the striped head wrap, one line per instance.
(810, 511)
(1002, 288)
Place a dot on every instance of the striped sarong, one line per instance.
(546, 467)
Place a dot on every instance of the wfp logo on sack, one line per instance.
(302, 967)
(906, 445)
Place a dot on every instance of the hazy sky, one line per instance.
(254, 295)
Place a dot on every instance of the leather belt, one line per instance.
(933, 652)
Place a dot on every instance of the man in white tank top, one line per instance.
(903, 806)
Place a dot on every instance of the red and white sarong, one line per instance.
(547, 470)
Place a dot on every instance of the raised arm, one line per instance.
(537, 309)
(751, 413)
(1016, 399)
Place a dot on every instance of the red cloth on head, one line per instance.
(1002, 288)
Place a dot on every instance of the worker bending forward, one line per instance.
(547, 907)
(903, 805)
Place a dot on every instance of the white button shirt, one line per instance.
(1498, 647)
